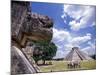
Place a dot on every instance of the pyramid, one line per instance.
(76, 55)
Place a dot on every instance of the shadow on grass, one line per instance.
(44, 64)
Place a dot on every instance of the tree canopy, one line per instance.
(44, 51)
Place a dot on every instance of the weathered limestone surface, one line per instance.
(26, 26)
(19, 63)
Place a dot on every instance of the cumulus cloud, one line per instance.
(83, 16)
(81, 39)
(61, 35)
(91, 48)
(65, 41)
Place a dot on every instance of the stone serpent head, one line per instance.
(26, 25)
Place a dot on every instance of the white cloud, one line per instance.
(92, 44)
(74, 25)
(64, 41)
(83, 16)
(60, 54)
(65, 21)
(81, 39)
(61, 35)
(88, 34)
(93, 24)
(91, 48)
(63, 16)
(87, 50)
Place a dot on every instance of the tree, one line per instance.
(49, 51)
(37, 54)
(93, 56)
(46, 52)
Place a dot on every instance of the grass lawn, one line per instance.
(62, 66)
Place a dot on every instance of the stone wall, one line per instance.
(26, 26)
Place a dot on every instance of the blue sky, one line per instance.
(74, 25)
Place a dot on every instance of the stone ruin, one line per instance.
(26, 26)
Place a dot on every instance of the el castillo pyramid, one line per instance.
(77, 55)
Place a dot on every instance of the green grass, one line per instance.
(62, 66)
(88, 64)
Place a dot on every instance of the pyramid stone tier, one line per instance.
(77, 55)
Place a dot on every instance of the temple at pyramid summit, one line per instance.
(77, 55)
